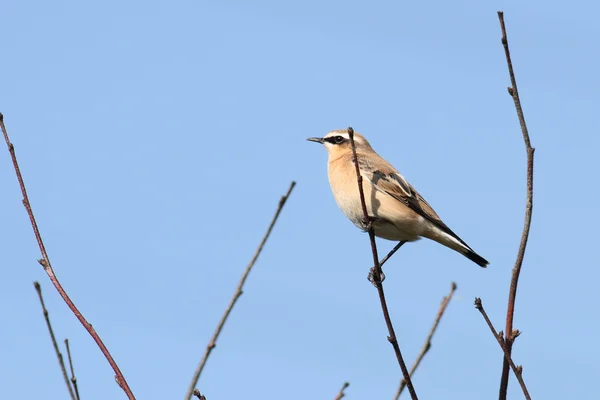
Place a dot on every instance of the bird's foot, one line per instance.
(368, 222)
(372, 277)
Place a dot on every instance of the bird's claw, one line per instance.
(372, 277)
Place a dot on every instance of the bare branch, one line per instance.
(196, 393)
(514, 93)
(73, 379)
(341, 392)
(377, 272)
(238, 292)
(427, 345)
(45, 262)
(59, 355)
(517, 370)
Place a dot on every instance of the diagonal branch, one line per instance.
(45, 262)
(73, 379)
(59, 355)
(341, 392)
(517, 370)
(196, 393)
(377, 272)
(510, 333)
(427, 345)
(236, 295)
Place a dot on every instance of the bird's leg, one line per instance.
(371, 276)
(368, 223)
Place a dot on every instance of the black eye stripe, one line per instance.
(335, 139)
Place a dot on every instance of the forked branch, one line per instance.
(59, 356)
(517, 370)
(73, 379)
(377, 272)
(45, 262)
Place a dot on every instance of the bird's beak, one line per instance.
(315, 139)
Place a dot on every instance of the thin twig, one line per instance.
(517, 370)
(73, 379)
(509, 331)
(45, 262)
(427, 345)
(377, 272)
(238, 292)
(59, 355)
(341, 392)
(196, 393)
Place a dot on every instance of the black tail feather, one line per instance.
(476, 258)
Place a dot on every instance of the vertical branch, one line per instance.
(377, 272)
(427, 345)
(517, 370)
(509, 332)
(73, 379)
(59, 355)
(238, 292)
(45, 262)
(341, 393)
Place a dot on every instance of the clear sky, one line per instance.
(157, 137)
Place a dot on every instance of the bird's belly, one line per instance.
(351, 206)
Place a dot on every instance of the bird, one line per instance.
(396, 210)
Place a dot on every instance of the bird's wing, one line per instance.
(394, 184)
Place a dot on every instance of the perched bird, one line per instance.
(397, 210)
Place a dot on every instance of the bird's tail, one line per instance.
(476, 258)
(451, 240)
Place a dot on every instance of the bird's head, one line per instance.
(338, 142)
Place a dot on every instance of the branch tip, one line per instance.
(236, 295)
(514, 92)
(45, 262)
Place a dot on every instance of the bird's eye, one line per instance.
(338, 139)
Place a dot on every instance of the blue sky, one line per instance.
(157, 137)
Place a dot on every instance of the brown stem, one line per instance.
(377, 272)
(341, 392)
(517, 370)
(514, 93)
(73, 379)
(59, 355)
(238, 292)
(427, 345)
(45, 262)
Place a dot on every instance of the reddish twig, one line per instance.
(196, 393)
(427, 345)
(509, 332)
(45, 262)
(73, 379)
(238, 292)
(517, 370)
(59, 355)
(377, 272)
(341, 392)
